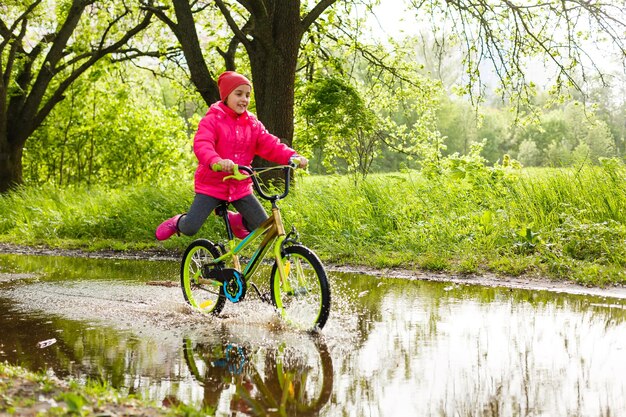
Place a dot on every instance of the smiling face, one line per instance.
(239, 98)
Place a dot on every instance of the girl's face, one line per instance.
(239, 99)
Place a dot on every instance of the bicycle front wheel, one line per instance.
(200, 291)
(303, 298)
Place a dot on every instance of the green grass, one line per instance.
(567, 224)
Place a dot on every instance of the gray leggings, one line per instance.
(250, 208)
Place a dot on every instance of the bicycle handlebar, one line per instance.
(252, 174)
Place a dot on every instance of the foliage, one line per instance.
(106, 133)
(45, 47)
(340, 126)
(46, 53)
(529, 154)
(359, 109)
(418, 123)
(565, 136)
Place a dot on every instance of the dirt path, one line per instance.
(489, 280)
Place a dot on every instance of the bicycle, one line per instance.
(212, 273)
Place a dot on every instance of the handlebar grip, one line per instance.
(294, 161)
(217, 167)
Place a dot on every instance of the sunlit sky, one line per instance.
(391, 18)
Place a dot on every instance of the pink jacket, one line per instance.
(223, 134)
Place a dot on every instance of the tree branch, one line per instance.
(158, 11)
(59, 92)
(315, 13)
(510, 32)
(231, 22)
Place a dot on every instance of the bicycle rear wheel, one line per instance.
(304, 298)
(199, 291)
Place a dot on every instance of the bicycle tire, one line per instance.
(304, 300)
(206, 297)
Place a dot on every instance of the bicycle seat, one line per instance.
(222, 208)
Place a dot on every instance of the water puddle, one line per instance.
(391, 347)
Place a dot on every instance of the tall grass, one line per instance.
(94, 218)
(565, 223)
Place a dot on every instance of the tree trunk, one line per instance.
(10, 165)
(186, 33)
(274, 68)
(273, 78)
(273, 62)
(274, 93)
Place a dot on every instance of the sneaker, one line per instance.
(168, 228)
(236, 225)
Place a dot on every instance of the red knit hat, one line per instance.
(230, 80)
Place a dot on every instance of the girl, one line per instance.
(227, 135)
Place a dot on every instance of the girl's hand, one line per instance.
(226, 165)
(300, 160)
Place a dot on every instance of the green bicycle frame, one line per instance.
(273, 233)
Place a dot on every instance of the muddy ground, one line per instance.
(489, 280)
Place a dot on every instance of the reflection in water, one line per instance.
(391, 347)
(486, 352)
(280, 380)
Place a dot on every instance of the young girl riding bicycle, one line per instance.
(227, 135)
